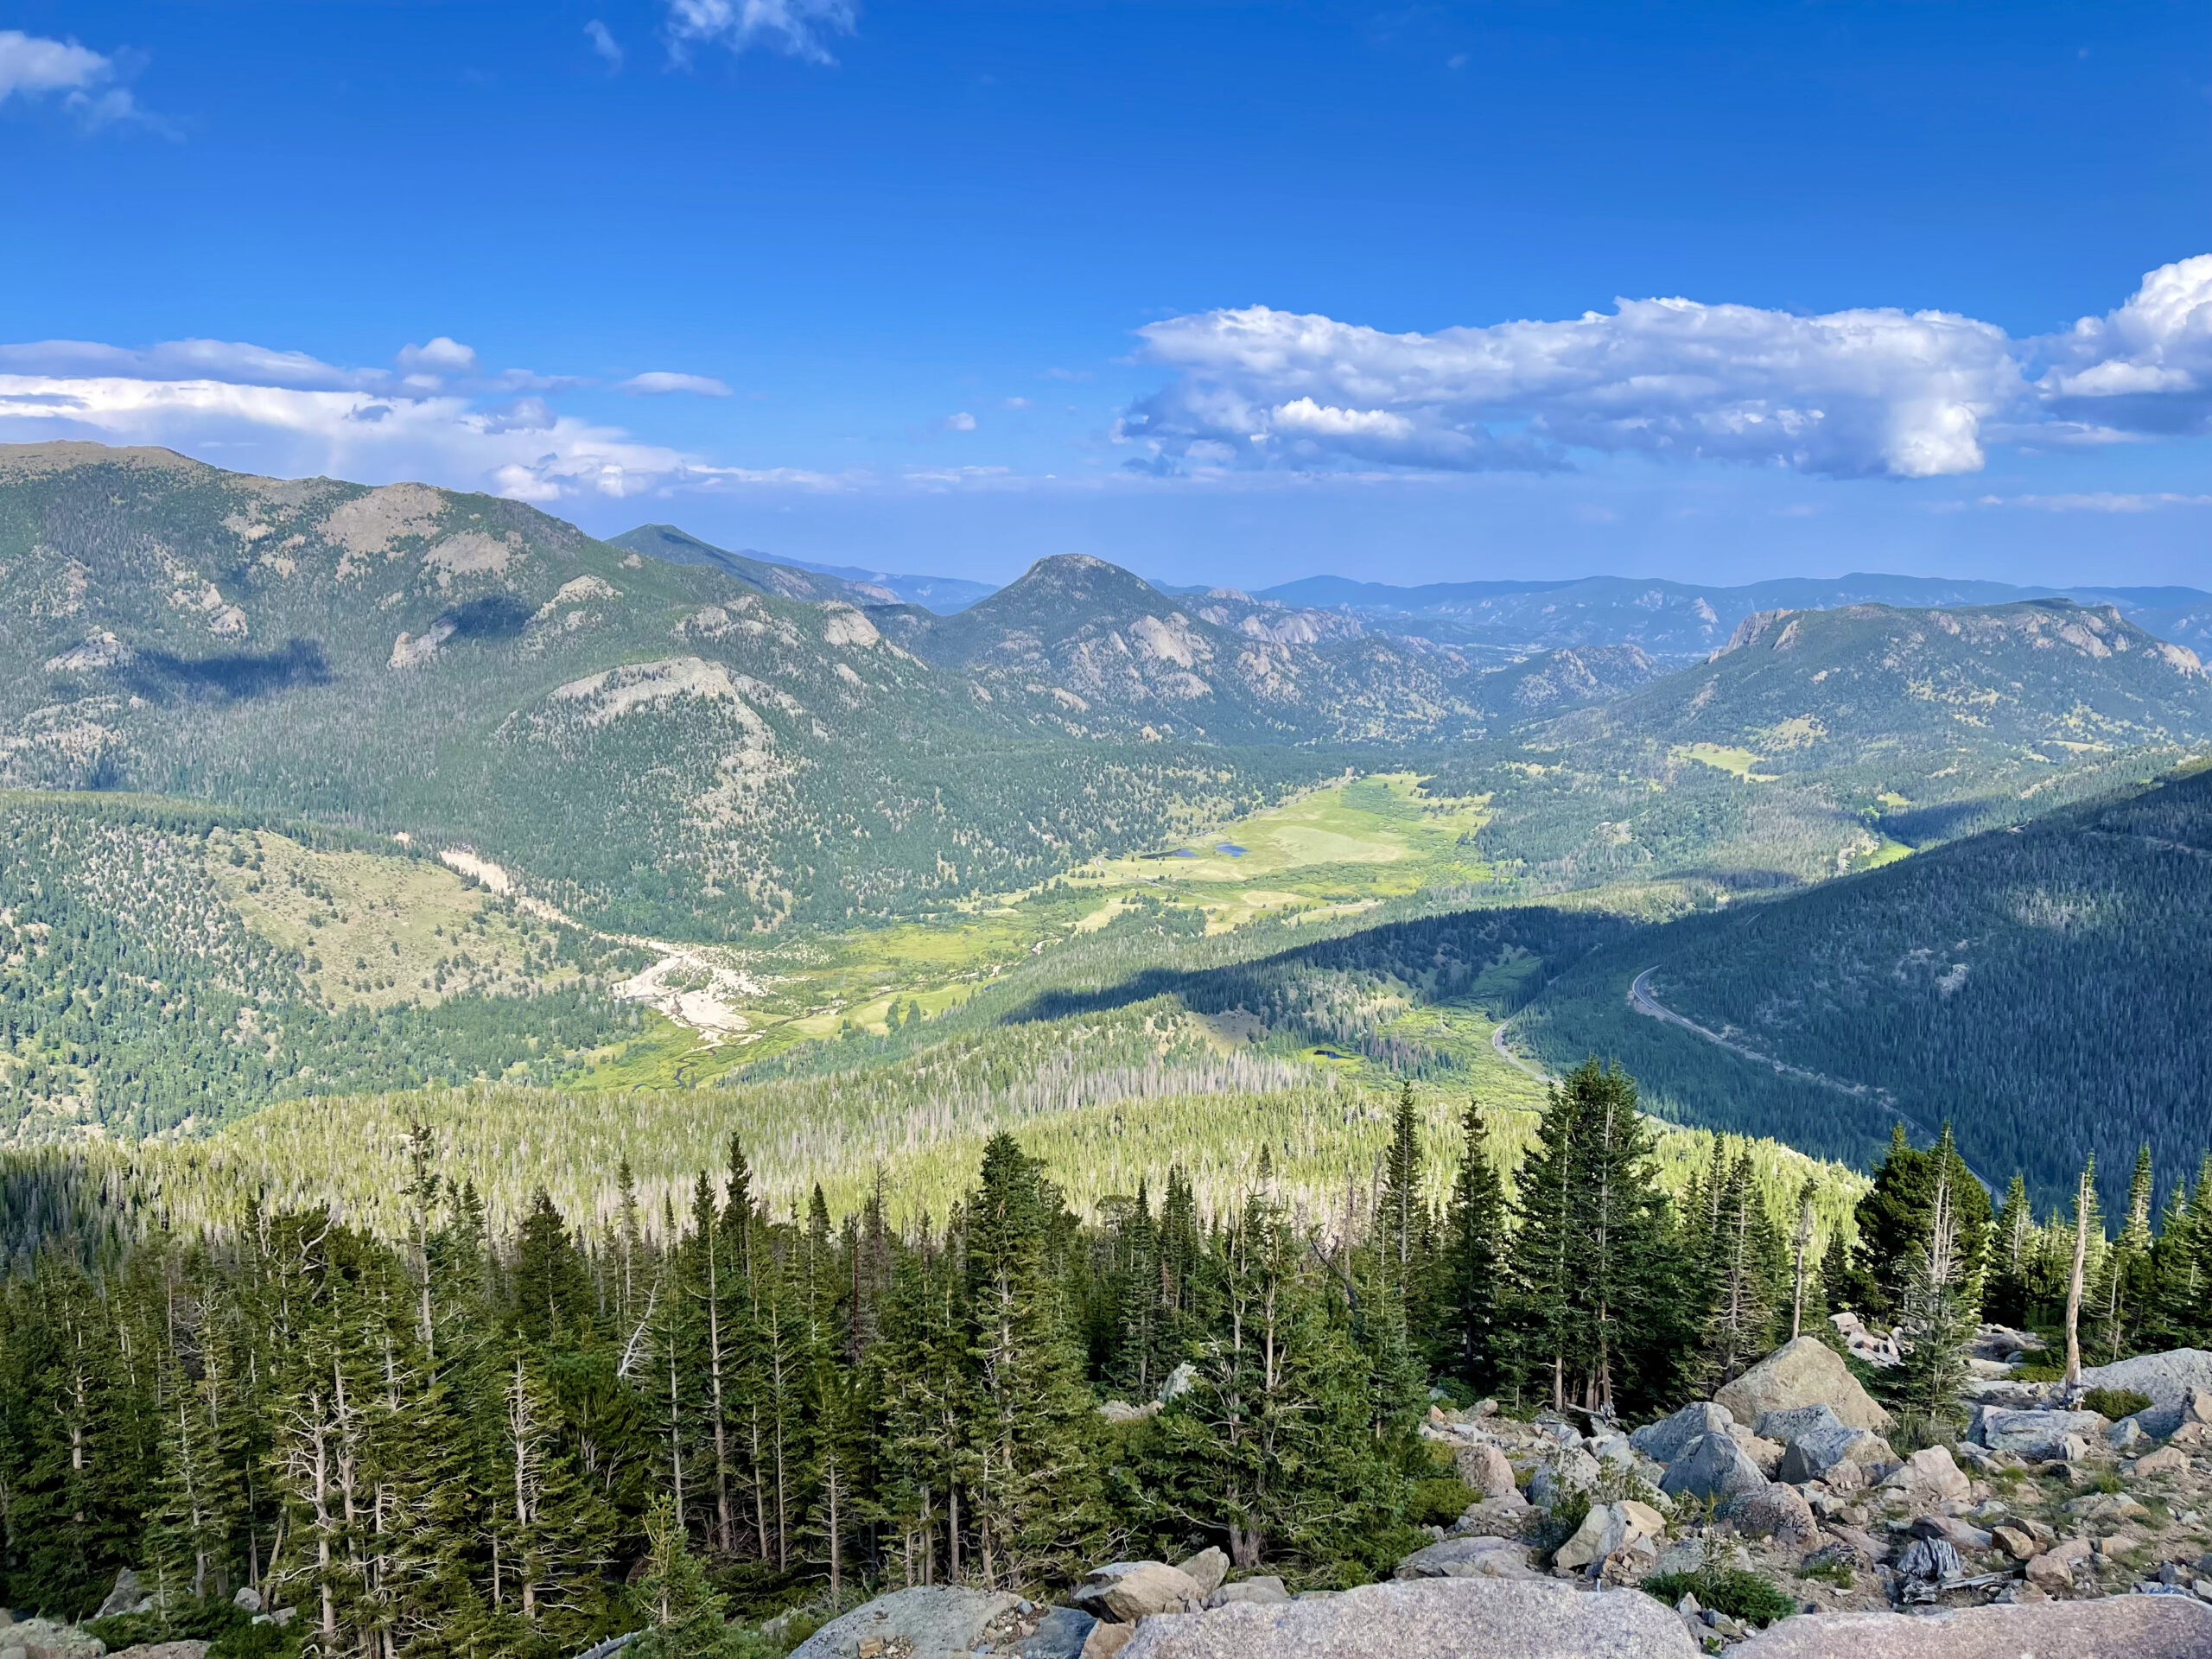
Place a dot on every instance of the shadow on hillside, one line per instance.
(234, 677)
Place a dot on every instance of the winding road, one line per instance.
(1641, 1000)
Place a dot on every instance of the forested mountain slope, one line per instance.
(1100, 651)
(1808, 688)
(667, 542)
(164, 965)
(657, 746)
(2043, 988)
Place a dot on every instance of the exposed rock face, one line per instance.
(1573, 1470)
(2166, 1460)
(2038, 1434)
(1805, 1372)
(1061, 1634)
(1437, 1618)
(1206, 1569)
(1485, 1468)
(1780, 1512)
(1666, 1440)
(1126, 1591)
(42, 1638)
(1928, 1475)
(2137, 1627)
(1819, 1454)
(1609, 1527)
(935, 1622)
(1795, 1422)
(1470, 1558)
(123, 1597)
(2168, 1378)
(1713, 1467)
(1268, 1589)
(1496, 1517)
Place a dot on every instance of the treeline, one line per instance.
(452, 1443)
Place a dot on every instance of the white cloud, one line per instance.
(603, 42)
(962, 422)
(1861, 393)
(660, 380)
(32, 67)
(2097, 501)
(1850, 393)
(2146, 366)
(795, 28)
(440, 357)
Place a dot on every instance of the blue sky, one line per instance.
(1221, 292)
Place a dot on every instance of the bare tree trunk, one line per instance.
(2074, 1283)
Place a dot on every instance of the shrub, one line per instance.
(2115, 1403)
(1751, 1597)
(1438, 1501)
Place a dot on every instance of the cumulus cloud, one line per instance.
(656, 381)
(290, 414)
(796, 27)
(603, 42)
(2146, 367)
(32, 67)
(1874, 392)
(442, 356)
(962, 422)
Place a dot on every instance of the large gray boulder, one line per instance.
(1429, 1618)
(1059, 1635)
(2038, 1434)
(1206, 1569)
(2118, 1627)
(1609, 1527)
(1794, 1422)
(1266, 1587)
(1666, 1440)
(2168, 1378)
(1573, 1470)
(934, 1621)
(123, 1597)
(1803, 1372)
(1125, 1591)
(1816, 1456)
(1484, 1467)
(1474, 1557)
(1713, 1467)
(50, 1639)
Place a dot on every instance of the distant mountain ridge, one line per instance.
(1681, 619)
(798, 578)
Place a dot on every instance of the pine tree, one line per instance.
(1592, 1254)
(1031, 1416)
(2012, 1255)
(1738, 1251)
(681, 1610)
(1475, 1263)
(1936, 1321)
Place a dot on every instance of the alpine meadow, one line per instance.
(1209, 832)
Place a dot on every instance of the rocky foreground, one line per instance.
(2048, 1530)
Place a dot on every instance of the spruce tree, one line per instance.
(680, 1610)
(1474, 1266)
(1031, 1417)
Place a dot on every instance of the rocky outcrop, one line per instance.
(2139, 1627)
(1819, 1454)
(2038, 1433)
(2168, 1378)
(1928, 1477)
(1805, 1372)
(1433, 1618)
(1668, 1439)
(42, 1638)
(1124, 1591)
(1713, 1467)
(934, 1622)
(1472, 1557)
(1608, 1530)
